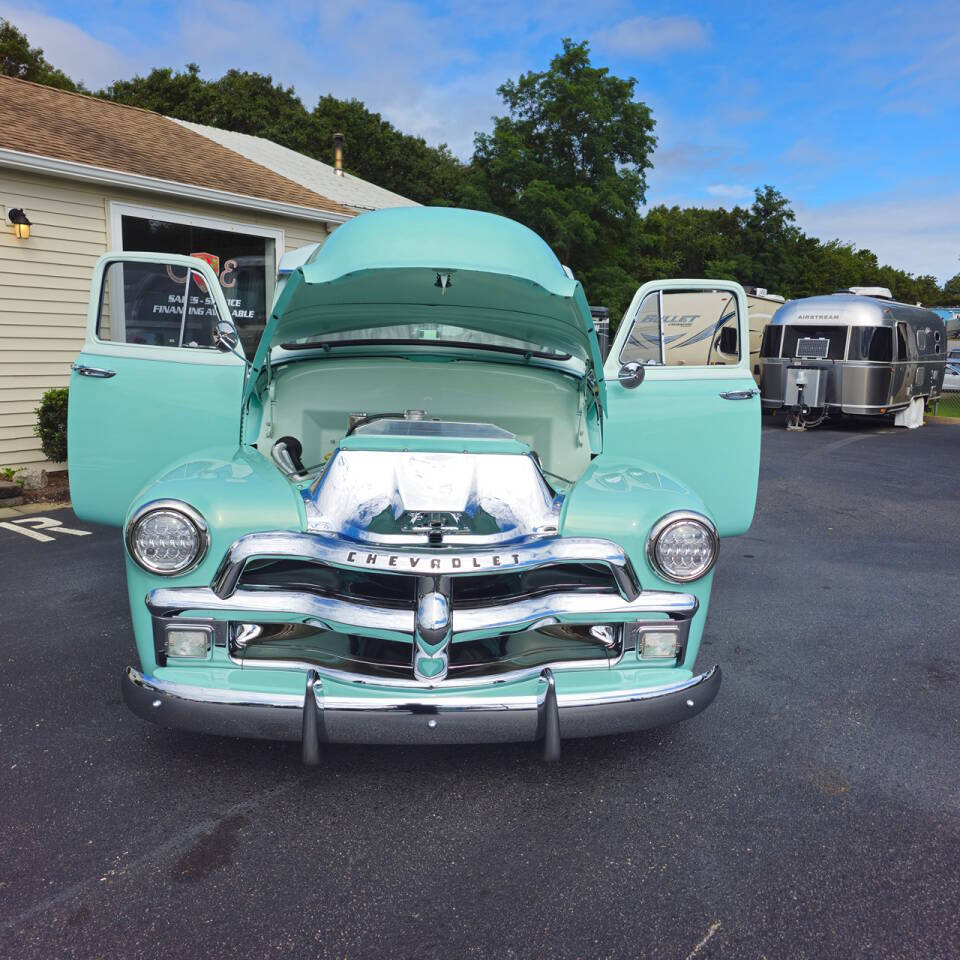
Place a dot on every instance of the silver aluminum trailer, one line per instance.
(852, 353)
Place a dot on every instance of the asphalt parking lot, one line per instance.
(812, 811)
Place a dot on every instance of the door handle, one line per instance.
(739, 394)
(98, 372)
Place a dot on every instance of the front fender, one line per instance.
(238, 491)
(620, 500)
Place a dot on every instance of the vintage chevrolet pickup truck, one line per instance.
(425, 511)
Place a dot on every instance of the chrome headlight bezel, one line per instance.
(663, 525)
(184, 510)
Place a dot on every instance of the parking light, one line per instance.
(189, 642)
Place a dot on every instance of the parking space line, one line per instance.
(42, 537)
(714, 927)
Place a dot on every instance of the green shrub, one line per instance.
(51, 425)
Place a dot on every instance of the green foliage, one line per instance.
(762, 246)
(241, 101)
(10, 473)
(951, 292)
(19, 59)
(51, 426)
(376, 151)
(569, 160)
(252, 103)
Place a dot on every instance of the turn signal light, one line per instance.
(189, 642)
(659, 645)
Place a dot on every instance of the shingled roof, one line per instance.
(80, 129)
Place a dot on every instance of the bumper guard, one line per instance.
(389, 716)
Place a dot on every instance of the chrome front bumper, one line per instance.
(521, 711)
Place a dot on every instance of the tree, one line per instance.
(242, 101)
(569, 160)
(376, 151)
(252, 103)
(19, 59)
(951, 292)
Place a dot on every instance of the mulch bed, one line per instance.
(57, 490)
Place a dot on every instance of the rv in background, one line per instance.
(855, 352)
(701, 330)
(951, 317)
(761, 306)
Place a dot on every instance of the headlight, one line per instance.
(167, 537)
(682, 546)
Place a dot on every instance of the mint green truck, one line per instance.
(425, 510)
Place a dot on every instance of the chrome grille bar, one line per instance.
(391, 623)
(346, 555)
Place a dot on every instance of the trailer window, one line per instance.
(871, 343)
(772, 338)
(836, 335)
(901, 341)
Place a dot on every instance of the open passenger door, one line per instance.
(697, 409)
(159, 376)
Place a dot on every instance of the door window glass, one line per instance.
(643, 340)
(697, 328)
(155, 304)
(239, 260)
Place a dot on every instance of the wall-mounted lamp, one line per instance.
(21, 225)
(338, 154)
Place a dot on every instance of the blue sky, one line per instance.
(851, 109)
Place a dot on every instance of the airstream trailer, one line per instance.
(853, 352)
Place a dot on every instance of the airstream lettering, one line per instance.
(852, 353)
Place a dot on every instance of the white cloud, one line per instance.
(920, 234)
(648, 36)
(729, 191)
(69, 48)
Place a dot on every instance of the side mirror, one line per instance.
(225, 336)
(728, 341)
(631, 375)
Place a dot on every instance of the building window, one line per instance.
(244, 263)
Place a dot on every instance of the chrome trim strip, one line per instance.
(415, 717)
(448, 683)
(343, 616)
(345, 554)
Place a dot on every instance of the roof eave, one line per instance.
(37, 163)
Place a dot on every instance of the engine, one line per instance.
(418, 481)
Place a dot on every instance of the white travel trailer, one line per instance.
(761, 306)
(700, 330)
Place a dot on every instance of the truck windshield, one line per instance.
(426, 334)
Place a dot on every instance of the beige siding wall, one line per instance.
(45, 286)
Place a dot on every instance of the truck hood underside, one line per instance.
(470, 270)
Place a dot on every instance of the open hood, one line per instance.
(428, 265)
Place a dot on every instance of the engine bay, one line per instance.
(404, 479)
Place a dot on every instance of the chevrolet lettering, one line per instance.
(425, 509)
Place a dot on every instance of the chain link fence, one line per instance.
(949, 402)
